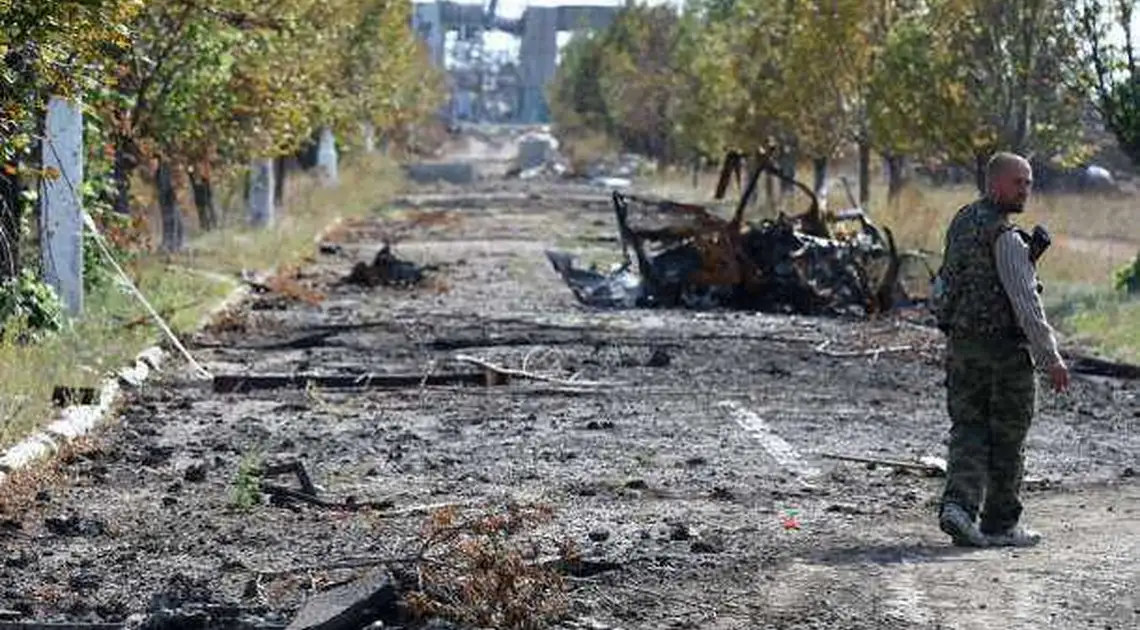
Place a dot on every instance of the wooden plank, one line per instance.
(244, 383)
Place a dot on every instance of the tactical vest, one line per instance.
(974, 304)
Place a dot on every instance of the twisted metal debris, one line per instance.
(685, 256)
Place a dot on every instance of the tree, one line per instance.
(1020, 87)
(575, 95)
(1116, 77)
(48, 47)
(913, 89)
(704, 118)
(209, 85)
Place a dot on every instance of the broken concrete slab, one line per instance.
(536, 150)
(458, 173)
(355, 605)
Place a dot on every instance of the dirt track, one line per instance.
(681, 474)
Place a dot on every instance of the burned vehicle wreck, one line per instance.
(684, 256)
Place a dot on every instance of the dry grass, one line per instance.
(313, 207)
(481, 572)
(115, 327)
(22, 486)
(586, 148)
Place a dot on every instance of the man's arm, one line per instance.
(1019, 279)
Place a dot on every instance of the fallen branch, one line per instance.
(509, 372)
(873, 352)
(931, 468)
(291, 494)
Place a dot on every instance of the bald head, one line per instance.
(1008, 180)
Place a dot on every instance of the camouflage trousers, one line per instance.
(991, 393)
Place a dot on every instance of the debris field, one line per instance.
(369, 449)
(686, 255)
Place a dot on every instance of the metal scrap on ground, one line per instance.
(387, 269)
(684, 255)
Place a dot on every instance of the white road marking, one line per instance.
(784, 454)
(905, 599)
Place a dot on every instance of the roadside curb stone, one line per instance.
(79, 420)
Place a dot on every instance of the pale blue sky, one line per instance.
(514, 9)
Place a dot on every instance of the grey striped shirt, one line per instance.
(1019, 279)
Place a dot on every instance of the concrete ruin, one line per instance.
(521, 84)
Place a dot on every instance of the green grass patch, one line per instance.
(1107, 322)
(115, 327)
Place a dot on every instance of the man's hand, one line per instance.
(1059, 376)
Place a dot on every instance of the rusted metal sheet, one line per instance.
(685, 255)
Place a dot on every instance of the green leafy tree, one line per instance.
(1016, 83)
(1115, 81)
(48, 48)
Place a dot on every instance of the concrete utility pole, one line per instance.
(61, 207)
(261, 186)
(327, 157)
(368, 131)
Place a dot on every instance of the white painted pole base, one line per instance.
(368, 131)
(61, 209)
(262, 205)
(327, 157)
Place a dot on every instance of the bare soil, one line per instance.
(680, 473)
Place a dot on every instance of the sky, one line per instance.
(512, 9)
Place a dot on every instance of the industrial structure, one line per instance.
(490, 86)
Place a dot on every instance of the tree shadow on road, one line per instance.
(899, 553)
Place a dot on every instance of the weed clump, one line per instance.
(479, 572)
(1128, 277)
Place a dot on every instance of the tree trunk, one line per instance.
(368, 134)
(819, 176)
(1028, 32)
(9, 223)
(865, 173)
(787, 165)
(980, 172)
(896, 175)
(770, 191)
(261, 207)
(124, 165)
(204, 197)
(172, 227)
(279, 167)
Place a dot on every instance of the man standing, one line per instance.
(996, 331)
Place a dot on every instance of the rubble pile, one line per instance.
(387, 269)
(538, 156)
(685, 256)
